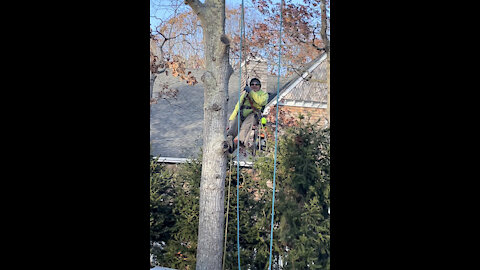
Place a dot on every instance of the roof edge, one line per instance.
(171, 159)
(184, 160)
(295, 83)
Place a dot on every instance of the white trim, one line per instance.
(303, 103)
(184, 160)
(290, 88)
(171, 159)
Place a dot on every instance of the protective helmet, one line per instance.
(256, 80)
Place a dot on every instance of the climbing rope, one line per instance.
(242, 34)
(276, 136)
(228, 207)
(242, 31)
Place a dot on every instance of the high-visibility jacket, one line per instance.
(259, 99)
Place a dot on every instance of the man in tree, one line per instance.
(252, 103)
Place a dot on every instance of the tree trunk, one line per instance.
(328, 88)
(153, 76)
(326, 44)
(214, 161)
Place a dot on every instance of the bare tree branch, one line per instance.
(196, 5)
(323, 31)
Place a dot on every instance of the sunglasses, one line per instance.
(252, 84)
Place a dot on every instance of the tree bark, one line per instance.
(328, 87)
(326, 44)
(214, 161)
(153, 76)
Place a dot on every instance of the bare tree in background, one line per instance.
(175, 33)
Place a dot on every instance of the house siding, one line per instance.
(308, 89)
(316, 113)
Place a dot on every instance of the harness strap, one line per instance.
(251, 103)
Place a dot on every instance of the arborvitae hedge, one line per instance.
(161, 205)
(302, 200)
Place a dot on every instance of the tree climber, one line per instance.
(250, 112)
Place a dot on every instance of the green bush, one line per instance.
(161, 206)
(181, 247)
(302, 200)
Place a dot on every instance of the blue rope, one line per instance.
(276, 137)
(242, 30)
(238, 131)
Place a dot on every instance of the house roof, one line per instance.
(176, 124)
(304, 76)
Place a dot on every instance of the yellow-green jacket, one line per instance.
(259, 99)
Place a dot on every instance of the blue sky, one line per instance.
(164, 8)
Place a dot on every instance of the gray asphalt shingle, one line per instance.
(176, 124)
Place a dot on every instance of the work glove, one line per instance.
(247, 89)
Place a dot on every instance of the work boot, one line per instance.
(234, 144)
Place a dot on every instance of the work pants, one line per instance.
(245, 127)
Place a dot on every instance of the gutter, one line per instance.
(184, 160)
(171, 159)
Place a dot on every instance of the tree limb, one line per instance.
(323, 31)
(196, 5)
